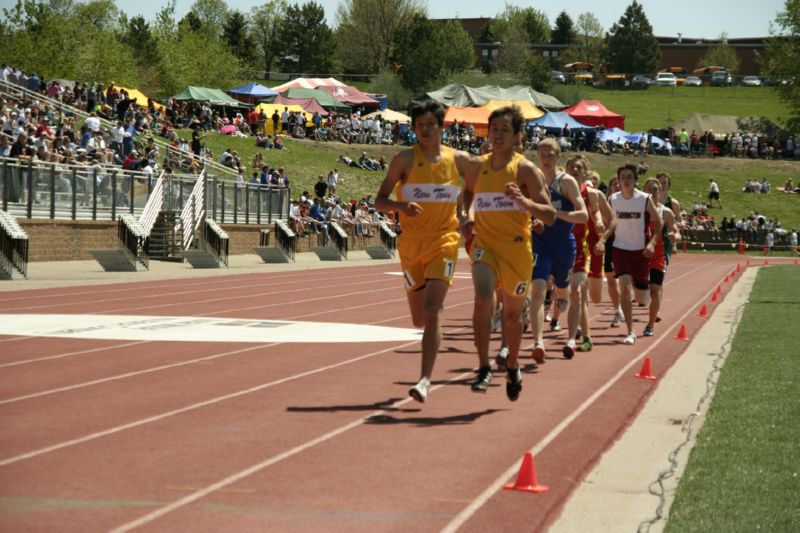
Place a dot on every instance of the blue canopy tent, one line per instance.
(252, 93)
(553, 122)
(615, 135)
(652, 140)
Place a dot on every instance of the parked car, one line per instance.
(666, 79)
(693, 81)
(774, 82)
(641, 81)
(557, 76)
(751, 81)
(721, 78)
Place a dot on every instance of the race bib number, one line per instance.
(448, 269)
(522, 288)
(478, 254)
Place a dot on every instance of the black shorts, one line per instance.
(656, 277)
(608, 261)
(713, 196)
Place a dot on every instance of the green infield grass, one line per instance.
(744, 472)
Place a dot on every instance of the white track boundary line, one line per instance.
(158, 513)
(498, 483)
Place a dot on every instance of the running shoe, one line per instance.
(569, 349)
(554, 325)
(538, 353)
(618, 318)
(586, 345)
(483, 379)
(562, 304)
(501, 359)
(513, 383)
(630, 339)
(420, 391)
(648, 331)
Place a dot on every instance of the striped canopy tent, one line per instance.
(529, 111)
(309, 83)
(391, 116)
(477, 116)
(323, 98)
(351, 96)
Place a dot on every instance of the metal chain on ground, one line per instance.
(656, 488)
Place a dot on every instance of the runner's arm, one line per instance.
(536, 198)
(398, 169)
(579, 214)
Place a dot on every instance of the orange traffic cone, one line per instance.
(726, 280)
(645, 373)
(719, 290)
(526, 478)
(766, 262)
(682, 336)
(714, 298)
(703, 312)
(733, 274)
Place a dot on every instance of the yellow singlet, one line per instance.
(498, 219)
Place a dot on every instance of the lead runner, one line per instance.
(427, 184)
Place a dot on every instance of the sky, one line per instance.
(705, 19)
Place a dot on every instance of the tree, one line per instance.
(207, 16)
(721, 55)
(265, 29)
(102, 14)
(236, 35)
(564, 31)
(534, 22)
(630, 44)
(457, 51)
(783, 59)
(537, 73)
(306, 40)
(588, 46)
(365, 31)
(515, 50)
(138, 35)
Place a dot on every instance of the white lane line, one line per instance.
(455, 524)
(68, 354)
(192, 407)
(498, 483)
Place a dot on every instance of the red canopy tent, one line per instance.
(593, 113)
(309, 104)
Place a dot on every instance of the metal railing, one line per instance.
(388, 238)
(153, 206)
(193, 211)
(133, 238)
(35, 189)
(13, 245)
(216, 240)
(339, 238)
(285, 239)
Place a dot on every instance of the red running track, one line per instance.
(102, 435)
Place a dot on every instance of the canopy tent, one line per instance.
(594, 113)
(350, 96)
(268, 109)
(212, 96)
(141, 99)
(707, 70)
(529, 111)
(308, 104)
(324, 99)
(652, 140)
(252, 93)
(308, 83)
(391, 116)
(615, 135)
(462, 96)
(477, 116)
(554, 122)
(702, 122)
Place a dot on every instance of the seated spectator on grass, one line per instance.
(349, 162)
(258, 160)
(278, 144)
(789, 188)
(227, 158)
(367, 163)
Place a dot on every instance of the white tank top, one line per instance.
(631, 231)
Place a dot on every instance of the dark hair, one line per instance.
(417, 109)
(632, 168)
(513, 112)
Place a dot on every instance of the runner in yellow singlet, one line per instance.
(427, 183)
(504, 194)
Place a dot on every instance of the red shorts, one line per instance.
(632, 263)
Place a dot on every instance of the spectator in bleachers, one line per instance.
(5, 146)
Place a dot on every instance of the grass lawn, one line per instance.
(659, 107)
(306, 160)
(744, 472)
